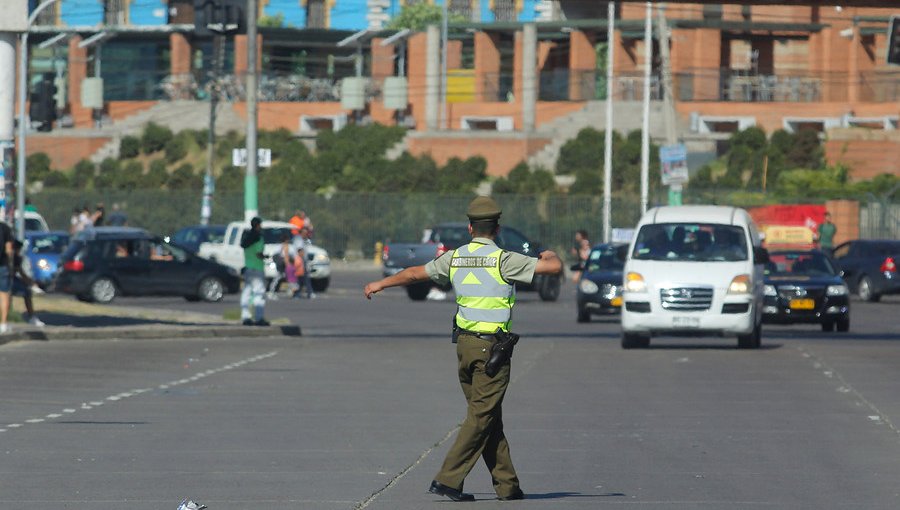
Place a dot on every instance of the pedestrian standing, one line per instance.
(253, 296)
(6, 274)
(581, 250)
(825, 234)
(22, 284)
(99, 216)
(75, 221)
(304, 282)
(482, 276)
(118, 218)
(85, 218)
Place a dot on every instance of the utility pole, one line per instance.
(251, 194)
(668, 100)
(645, 131)
(607, 149)
(209, 182)
(7, 117)
(445, 44)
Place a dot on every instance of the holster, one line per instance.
(501, 352)
(454, 333)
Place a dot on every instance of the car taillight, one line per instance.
(73, 265)
(385, 252)
(888, 266)
(441, 249)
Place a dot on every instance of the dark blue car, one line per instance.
(600, 285)
(43, 250)
(190, 238)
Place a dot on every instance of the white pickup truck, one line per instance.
(230, 253)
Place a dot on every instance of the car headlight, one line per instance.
(770, 290)
(43, 264)
(588, 287)
(634, 282)
(740, 285)
(321, 257)
(837, 290)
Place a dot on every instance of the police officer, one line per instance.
(482, 276)
(254, 292)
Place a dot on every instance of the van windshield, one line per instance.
(700, 242)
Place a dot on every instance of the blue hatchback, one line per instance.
(600, 285)
(43, 249)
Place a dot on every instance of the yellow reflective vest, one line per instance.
(484, 299)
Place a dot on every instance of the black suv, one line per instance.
(101, 263)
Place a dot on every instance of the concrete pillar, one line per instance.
(853, 73)
(432, 76)
(240, 54)
(582, 66)
(487, 67)
(7, 88)
(517, 67)
(529, 76)
(382, 60)
(78, 71)
(180, 60)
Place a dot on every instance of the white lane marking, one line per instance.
(879, 417)
(85, 406)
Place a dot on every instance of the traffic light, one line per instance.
(893, 48)
(43, 104)
(219, 17)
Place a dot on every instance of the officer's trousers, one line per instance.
(481, 434)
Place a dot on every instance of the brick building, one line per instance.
(733, 66)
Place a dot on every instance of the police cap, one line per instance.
(483, 208)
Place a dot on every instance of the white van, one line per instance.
(694, 270)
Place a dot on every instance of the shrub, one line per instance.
(129, 147)
(176, 149)
(82, 174)
(184, 178)
(156, 176)
(38, 166)
(155, 138)
(57, 179)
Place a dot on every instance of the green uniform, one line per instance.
(482, 276)
(826, 235)
(251, 255)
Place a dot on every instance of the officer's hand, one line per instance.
(373, 288)
(547, 255)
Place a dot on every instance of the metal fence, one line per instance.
(349, 224)
(879, 220)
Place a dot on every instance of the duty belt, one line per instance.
(483, 336)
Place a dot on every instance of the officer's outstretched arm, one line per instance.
(548, 263)
(408, 276)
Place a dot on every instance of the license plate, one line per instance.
(686, 322)
(616, 301)
(802, 304)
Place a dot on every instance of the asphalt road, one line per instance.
(359, 412)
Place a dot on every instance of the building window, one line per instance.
(315, 14)
(505, 10)
(462, 8)
(115, 12)
(712, 11)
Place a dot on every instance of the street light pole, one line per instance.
(251, 181)
(23, 86)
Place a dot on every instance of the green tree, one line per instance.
(57, 179)
(459, 176)
(129, 147)
(82, 174)
(129, 177)
(184, 178)
(155, 137)
(107, 172)
(177, 147)
(806, 151)
(584, 152)
(417, 16)
(38, 166)
(276, 21)
(156, 175)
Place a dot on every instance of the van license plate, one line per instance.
(685, 322)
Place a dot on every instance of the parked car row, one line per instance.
(99, 264)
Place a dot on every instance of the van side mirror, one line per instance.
(760, 255)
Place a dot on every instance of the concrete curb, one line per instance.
(150, 332)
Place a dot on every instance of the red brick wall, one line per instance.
(866, 158)
(64, 151)
(845, 216)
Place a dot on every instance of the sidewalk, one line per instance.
(68, 319)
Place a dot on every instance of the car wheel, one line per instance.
(320, 284)
(583, 315)
(865, 291)
(843, 325)
(550, 287)
(828, 326)
(635, 341)
(418, 291)
(103, 290)
(211, 289)
(752, 340)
